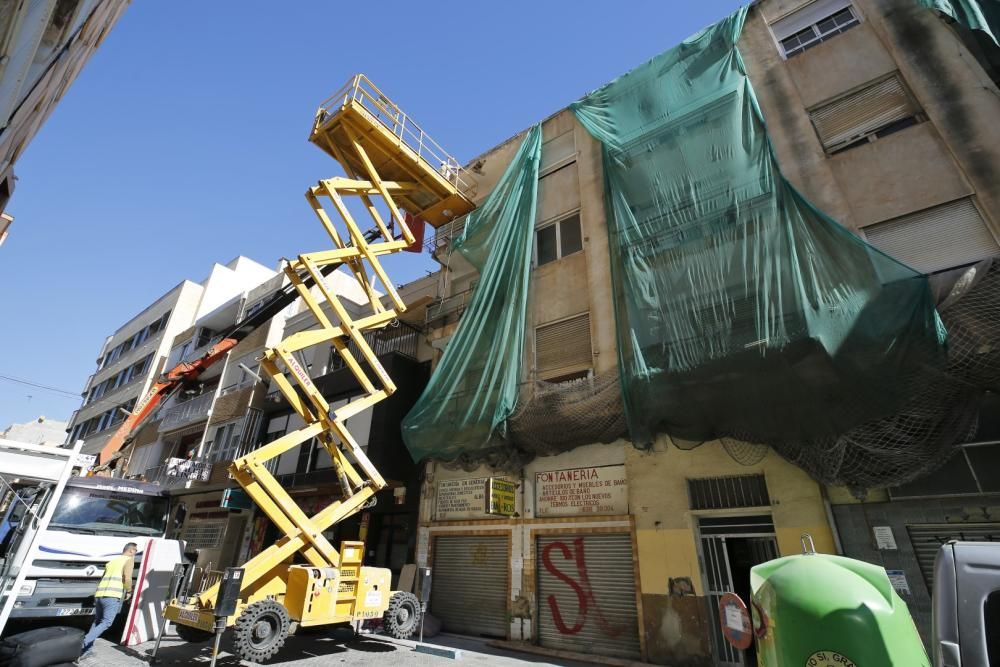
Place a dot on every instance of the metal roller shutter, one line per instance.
(597, 613)
(469, 584)
(872, 108)
(927, 539)
(563, 347)
(937, 238)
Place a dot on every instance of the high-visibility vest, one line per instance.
(111, 585)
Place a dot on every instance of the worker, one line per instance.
(115, 587)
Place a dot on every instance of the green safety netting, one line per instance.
(973, 14)
(475, 385)
(741, 309)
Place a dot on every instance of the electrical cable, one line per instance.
(74, 394)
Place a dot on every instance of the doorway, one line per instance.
(730, 547)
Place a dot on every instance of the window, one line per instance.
(226, 441)
(938, 238)
(877, 110)
(245, 377)
(205, 336)
(563, 350)
(559, 239)
(815, 23)
(557, 153)
(711, 493)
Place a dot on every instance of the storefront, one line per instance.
(561, 572)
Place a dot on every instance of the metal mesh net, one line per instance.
(939, 415)
(556, 417)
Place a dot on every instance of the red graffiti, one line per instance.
(581, 586)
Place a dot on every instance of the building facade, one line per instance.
(192, 438)
(44, 45)
(42, 431)
(134, 355)
(882, 113)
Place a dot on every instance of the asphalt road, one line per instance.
(319, 649)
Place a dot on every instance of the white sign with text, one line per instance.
(597, 490)
(461, 499)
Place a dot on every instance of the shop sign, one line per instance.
(596, 490)
(187, 469)
(461, 499)
(236, 499)
(500, 495)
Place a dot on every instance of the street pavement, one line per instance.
(320, 648)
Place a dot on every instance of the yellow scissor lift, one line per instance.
(388, 159)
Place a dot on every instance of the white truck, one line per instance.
(89, 520)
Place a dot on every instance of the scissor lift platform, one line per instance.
(400, 151)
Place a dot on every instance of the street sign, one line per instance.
(735, 621)
(500, 494)
(236, 499)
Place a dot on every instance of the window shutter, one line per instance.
(810, 13)
(862, 113)
(563, 347)
(936, 238)
(557, 150)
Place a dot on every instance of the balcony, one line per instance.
(401, 339)
(189, 412)
(177, 472)
(445, 309)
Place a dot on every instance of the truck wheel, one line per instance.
(402, 618)
(192, 635)
(260, 631)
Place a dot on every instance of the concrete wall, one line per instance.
(43, 52)
(954, 153)
(855, 522)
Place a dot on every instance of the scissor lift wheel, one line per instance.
(402, 618)
(261, 630)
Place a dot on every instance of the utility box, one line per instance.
(229, 592)
(423, 585)
(828, 611)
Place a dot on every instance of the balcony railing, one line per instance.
(174, 474)
(401, 339)
(453, 305)
(188, 412)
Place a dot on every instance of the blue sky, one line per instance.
(183, 143)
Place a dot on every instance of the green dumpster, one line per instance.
(815, 610)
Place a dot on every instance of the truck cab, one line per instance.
(966, 600)
(95, 517)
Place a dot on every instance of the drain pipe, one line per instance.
(830, 520)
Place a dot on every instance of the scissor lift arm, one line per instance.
(385, 156)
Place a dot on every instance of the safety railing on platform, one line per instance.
(364, 93)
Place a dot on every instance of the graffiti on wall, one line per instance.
(579, 581)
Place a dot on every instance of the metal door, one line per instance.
(470, 584)
(718, 575)
(586, 594)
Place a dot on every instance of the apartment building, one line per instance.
(134, 355)
(189, 442)
(882, 114)
(43, 47)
